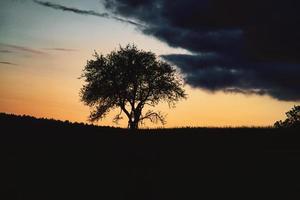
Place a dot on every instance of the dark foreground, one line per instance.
(42, 159)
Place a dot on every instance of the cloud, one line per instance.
(248, 47)
(5, 51)
(214, 73)
(61, 49)
(7, 63)
(11, 48)
(84, 12)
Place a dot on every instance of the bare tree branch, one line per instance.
(154, 117)
(118, 117)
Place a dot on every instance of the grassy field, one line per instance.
(48, 159)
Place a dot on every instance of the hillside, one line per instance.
(48, 159)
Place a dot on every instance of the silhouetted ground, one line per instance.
(47, 159)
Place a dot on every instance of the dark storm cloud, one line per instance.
(84, 12)
(214, 72)
(249, 46)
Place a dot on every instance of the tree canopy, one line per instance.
(292, 120)
(129, 79)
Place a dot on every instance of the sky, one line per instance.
(240, 59)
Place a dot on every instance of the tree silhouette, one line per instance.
(293, 119)
(129, 79)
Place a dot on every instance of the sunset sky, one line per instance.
(240, 70)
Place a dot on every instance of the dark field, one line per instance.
(47, 159)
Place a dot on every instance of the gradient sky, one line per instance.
(43, 51)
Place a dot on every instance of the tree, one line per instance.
(129, 79)
(292, 120)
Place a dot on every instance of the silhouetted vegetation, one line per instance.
(292, 120)
(130, 79)
(49, 159)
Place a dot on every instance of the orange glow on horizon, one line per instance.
(59, 99)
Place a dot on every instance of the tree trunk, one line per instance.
(133, 125)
